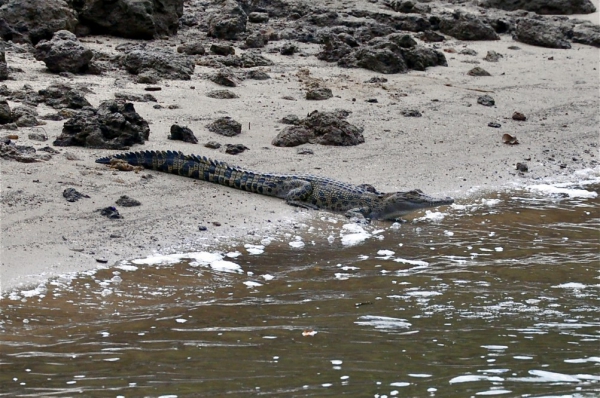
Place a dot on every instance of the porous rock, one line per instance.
(184, 134)
(64, 53)
(114, 125)
(3, 66)
(136, 19)
(164, 63)
(228, 22)
(541, 32)
(225, 126)
(543, 6)
(326, 128)
(467, 27)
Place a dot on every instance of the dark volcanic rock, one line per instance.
(409, 6)
(326, 128)
(192, 49)
(431, 37)
(420, 58)
(222, 94)
(136, 19)
(59, 96)
(25, 116)
(35, 20)
(382, 60)
(493, 56)
(228, 22)
(135, 97)
(234, 149)
(166, 64)
(225, 126)
(126, 201)
(114, 125)
(258, 17)
(467, 27)
(542, 33)
(222, 49)
(543, 6)
(183, 134)
(256, 40)
(486, 100)
(73, 195)
(587, 33)
(3, 66)
(224, 77)
(319, 94)
(64, 53)
(6, 115)
(257, 74)
(477, 71)
(288, 48)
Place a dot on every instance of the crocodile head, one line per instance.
(395, 205)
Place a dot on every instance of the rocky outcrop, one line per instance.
(165, 63)
(467, 27)
(586, 33)
(114, 125)
(35, 20)
(228, 22)
(543, 6)
(64, 53)
(3, 66)
(136, 19)
(541, 32)
(325, 128)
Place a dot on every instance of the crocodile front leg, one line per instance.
(299, 193)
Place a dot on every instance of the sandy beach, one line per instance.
(449, 151)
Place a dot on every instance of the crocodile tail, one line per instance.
(156, 160)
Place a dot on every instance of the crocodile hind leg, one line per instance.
(298, 194)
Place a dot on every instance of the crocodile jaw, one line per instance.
(398, 204)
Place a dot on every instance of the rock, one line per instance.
(228, 22)
(587, 33)
(305, 151)
(411, 113)
(380, 60)
(326, 128)
(222, 49)
(163, 62)
(420, 58)
(541, 33)
(290, 119)
(35, 20)
(59, 96)
(9, 150)
(38, 137)
(224, 77)
(519, 116)
(258, 17)
(377, 80)
(408, 6)
(25, 116)
(114, 125)
(494, 125)
(222, 94)
(257, 74)
(319, 94)
(192, 49)
(110, 212)
(133, 19)
(493, 56)
(334, 49)
(543, 6)
(467, 27)
(126, 201)
(234, 149)
(225, 126)
(256, 40)
(486, 100)
(212, 145)
(6, 115)
(402, 40)
(3, 66)
(522, 167)
(183, 134)
(468, 51)
(252, 59)
(477, 71)
(135, 97)
(64, 53)
(72, 195)
(147, 77)
(288, 48)
(430, 36)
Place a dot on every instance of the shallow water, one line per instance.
(494, 297)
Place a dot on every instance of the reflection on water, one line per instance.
(500, 297)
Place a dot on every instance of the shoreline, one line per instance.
(447, 151)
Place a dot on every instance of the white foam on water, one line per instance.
(494, 392)
(252, 284)
(353, 234)
(385, 253)
(495, 347)
(127, 267)
(267, 277)
(226, 266)
(233, 254)
(557, 189)
(400, 384)
(583, 360)
(336, 362)
(383, 322)
(571, 285)
(412, 262)
(420, 375)
(181, 320)
(545, 376)
(432, 216)
(472, 378)
(297, 244)
(254, 249)
(422, 293)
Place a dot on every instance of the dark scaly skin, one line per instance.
(307, 191)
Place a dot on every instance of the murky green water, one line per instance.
(499, 297)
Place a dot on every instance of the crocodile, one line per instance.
(301, 190)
